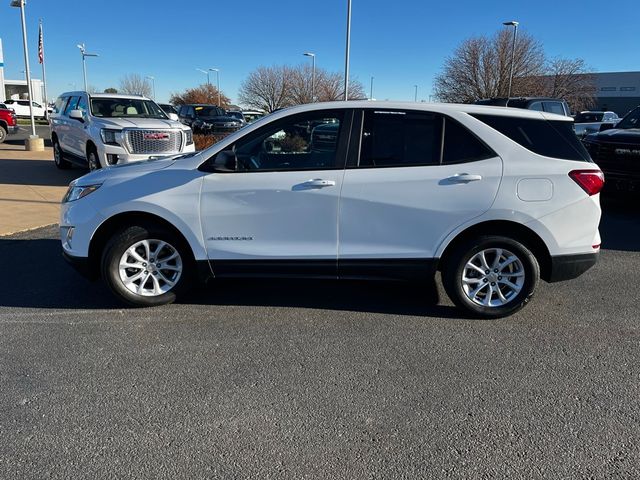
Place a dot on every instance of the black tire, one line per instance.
(58, 157)
(93, 161)
(121, 242)
(452, 275)
(3, 134)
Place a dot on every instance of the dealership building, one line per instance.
(617, 91)
(17, 89)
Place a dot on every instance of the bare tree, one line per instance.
(270, 88)
(205, 93)
(480, 68)
(135, 84)
(266, 88)
(569, 79)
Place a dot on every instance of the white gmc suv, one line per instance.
(98, 130)
(494, 197)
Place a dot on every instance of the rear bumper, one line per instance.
(567, 267)
(11, 130)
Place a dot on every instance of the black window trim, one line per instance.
(355, 150)
(341, 149)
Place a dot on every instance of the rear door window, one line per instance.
(400, 139)
(548, 138)
(461, 146)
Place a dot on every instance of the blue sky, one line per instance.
(400, 42)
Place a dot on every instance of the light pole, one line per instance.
(20, 4)
(513, 24)
(313, 74)
(415, 94)
(217, 70)
(206, 72)
(347, 52)
(371, 88)
(153, 85)
(84, 54)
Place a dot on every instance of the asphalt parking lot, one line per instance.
(318, 380)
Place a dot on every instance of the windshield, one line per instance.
(588, 117)
(209, 111)
(125, 107)
(632, 120)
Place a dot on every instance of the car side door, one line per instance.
(412, 178)
(72, 128)
(269, 204)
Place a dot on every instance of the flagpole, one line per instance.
(44, 72)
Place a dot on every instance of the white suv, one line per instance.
(103, 129)
(495, 198)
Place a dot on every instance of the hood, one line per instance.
(149, 123)
(618, 135)
(127, 170)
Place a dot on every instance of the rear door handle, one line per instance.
(464, 178)
(319, 183)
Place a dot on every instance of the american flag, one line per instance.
(40, 46)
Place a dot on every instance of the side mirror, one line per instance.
(76, 115)
(173, 116)
(606, 126)
(225, 162)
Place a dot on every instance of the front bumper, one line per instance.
(567, 267)
(117, 155)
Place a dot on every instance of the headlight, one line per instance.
(189, 135)
(109, 136)
(76, 192)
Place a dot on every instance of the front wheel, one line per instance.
(491, 276)
(3, 134)
(92, 160)
(146, 266)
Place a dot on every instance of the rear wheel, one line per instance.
(59, 160)
(146, 266)
(491, 276)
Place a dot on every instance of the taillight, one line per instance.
(591, 181)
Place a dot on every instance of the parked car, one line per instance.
(590, 121)
(21, 107)
(617, 152)
(251, 116)
(170, 110)
(494, 198)
(5, 107)
(8, 123)
(103, 129)
(237, 115)
(541, 104)
(208, 119)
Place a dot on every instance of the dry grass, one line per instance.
(205, 141)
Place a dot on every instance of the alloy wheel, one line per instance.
(493, 277)
(150, 267)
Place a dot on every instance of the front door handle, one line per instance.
(464, 178)
(319, 183)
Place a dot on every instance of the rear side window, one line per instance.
(400, 139)
(554, 107)
(460, 145)
(549, 138)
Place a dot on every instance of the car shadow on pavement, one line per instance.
(36, 173)
(397, 298)
(41, 279)
(620, 224)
